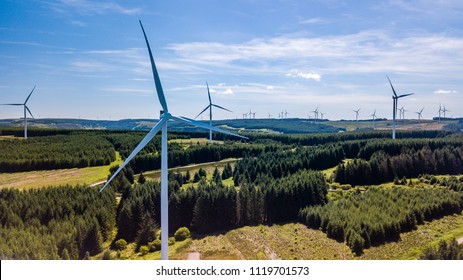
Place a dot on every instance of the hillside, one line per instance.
(286, 126)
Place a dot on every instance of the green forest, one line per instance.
(277, 179)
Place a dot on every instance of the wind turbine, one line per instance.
(270, 116)
(286, 114)
(161, 125)
(402, 113)
(321, 115)
(25, 109)
(245, 115)
(357, 114)
(395, 98)
(210, 111)
(374, 118)
(315, 113)
(445, 110)
(419, 115)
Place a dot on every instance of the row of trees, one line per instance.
(212, 206)
(380, 214)
(409, 163)
(55, 152)
(444, 251)
(55, 222)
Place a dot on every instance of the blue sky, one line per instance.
(89, 60)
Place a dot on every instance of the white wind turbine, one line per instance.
(374, 118)
(395, 98)
(420, 116)
(210, 112)
(25, 109)
(315, 113)
(162, 124)
(357, 114)
(444, 111)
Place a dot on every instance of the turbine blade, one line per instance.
(393, 90)
(157, 80)
(27, 108)
(140, 146)
(203, 111)
(220, 107)
(29, 96)
(208, 94)
(14, 104)
(206, 126)
(403, 95)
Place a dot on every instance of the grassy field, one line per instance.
(295, 241)
(208, 167)
(194, 141)
(73, 176)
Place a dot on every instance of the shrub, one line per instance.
(154, 245)
(121, 244)
(182, 234)
(143, 250)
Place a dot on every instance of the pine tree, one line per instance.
(141, 179)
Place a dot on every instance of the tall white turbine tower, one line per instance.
(210, 112)
(395, 98)
(25, 109)
(162, 124)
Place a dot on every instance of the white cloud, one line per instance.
(89, 7)
(297, 74)
(372, 51)
(442, 91)
(228, 91)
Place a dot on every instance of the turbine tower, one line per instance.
(357, 114)
(25, 109)
(395, 98)
(210, 112)
(161, 125)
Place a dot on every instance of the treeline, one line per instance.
(380, 214)
(196, 154)
(319, 139)
(383, 167)
(212, 206)
(55, 223)
(284, 162)
(444, 251)
(55, 152)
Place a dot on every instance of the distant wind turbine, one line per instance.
(162, 124)
(210, 111)
(444, 111)
(315, 113)
(286, 114)
(270, 116)
(374, 118)
(395, 98)
(357, 114)
(25, 109)
(419, 115)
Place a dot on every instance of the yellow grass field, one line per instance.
(44, 178)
